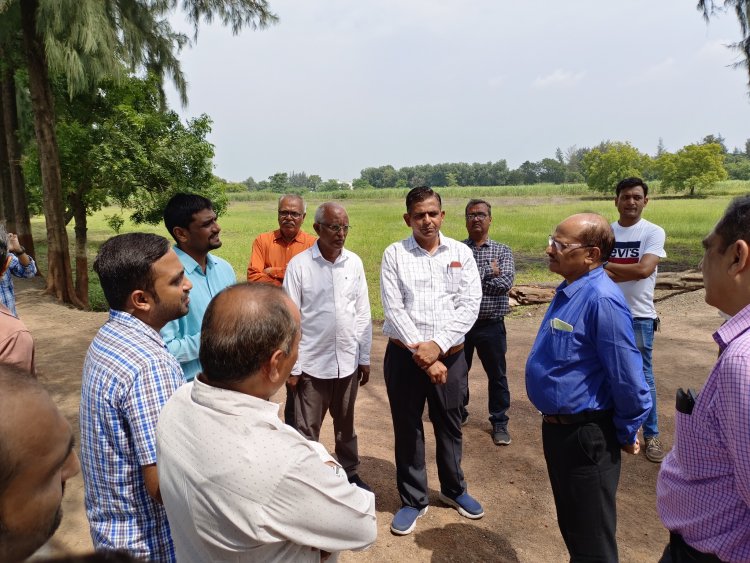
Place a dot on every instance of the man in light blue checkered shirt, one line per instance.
(14, 261)
(128, 376)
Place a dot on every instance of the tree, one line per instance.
(742, 11)
(609, 163)
(331, 185)
(694, 167)
(552, 171)
(279, 182)
(660, 150)
(715, 139)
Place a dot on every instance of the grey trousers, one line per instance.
(317, 396)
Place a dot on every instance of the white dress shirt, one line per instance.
(335, 310)
(429, 296)
(240, 485)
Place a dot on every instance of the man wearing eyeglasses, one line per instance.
(487, 336)
(271, 253)
(585, 375)
(327, 282)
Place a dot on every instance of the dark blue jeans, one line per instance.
(488, 338)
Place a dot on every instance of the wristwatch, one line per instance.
(20, 252)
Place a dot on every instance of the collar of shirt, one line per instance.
(470, 242)
(571, 289)
(233, 402)
(191, 264)
(128, 320)
(298, 238)
(412, 244)
(734, 327)
(317, 255)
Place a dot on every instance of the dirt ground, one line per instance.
(511, 482)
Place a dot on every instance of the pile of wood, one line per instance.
(679, 282)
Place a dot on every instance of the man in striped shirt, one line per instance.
(128, 376)
(703, 490)
(431, 293)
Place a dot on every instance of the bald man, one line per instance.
(238, 484)
(36, 459)
(584, 373)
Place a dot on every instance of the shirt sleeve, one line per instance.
(258, 261)
(733, 414)
(141, 406)
(467, 301)
(293, 286)
(363, 325)
(654, 243)
(18, 351)
(393, 299)
(315, 505)
(184, 347)
(499, 285)
(20, 271)
(623, 368)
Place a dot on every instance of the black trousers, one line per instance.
(408, 388)
(678, 551)
(489, 340)
(583, 462)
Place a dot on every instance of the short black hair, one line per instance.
(473, 202)
(632, 182)
(124, 264)
(235, 343)
(181, 208)
(3, 244)
(734, 225)
(421, 193)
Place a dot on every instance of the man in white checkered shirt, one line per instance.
(431, 294)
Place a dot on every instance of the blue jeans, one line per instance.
(488, 338)
(644, 340)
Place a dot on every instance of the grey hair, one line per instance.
(294, 196)
(321, 210)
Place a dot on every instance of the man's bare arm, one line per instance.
(631, 272)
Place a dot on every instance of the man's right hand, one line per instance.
(292, 381)
(275, 272)
(437, 373)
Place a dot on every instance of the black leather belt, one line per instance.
(577, 418)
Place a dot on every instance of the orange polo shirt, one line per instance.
(271, 250)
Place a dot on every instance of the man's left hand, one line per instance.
(13, 244)
(425, 353)
(363, 374)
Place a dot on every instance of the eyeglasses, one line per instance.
(472, 216)
(292, 214)
(560, 246)
(337, 228)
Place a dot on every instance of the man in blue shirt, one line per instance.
(584, 373)
(14, 261)
(191, 220)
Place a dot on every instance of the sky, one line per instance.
(341, 85)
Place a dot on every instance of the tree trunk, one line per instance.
(59, 273)
(82, 266)
(7, 213)
(18, 187)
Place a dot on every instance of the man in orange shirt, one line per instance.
(273, 250)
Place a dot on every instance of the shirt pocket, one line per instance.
(561, 343)
(452, 278)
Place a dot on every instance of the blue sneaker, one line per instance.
(466, 505)
(405, 520)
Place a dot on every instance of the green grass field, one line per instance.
(523, 218)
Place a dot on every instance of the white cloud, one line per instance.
(559, 77)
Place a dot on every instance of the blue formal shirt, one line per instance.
(128, 376)
(183, 336)
(585, 358)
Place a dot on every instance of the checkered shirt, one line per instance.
(429, 296)
(7, 293)
(703, 490)
(128, 376)
(495, 289)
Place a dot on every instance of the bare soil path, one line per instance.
(511, 481)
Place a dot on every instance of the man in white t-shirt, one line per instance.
(639, 245)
